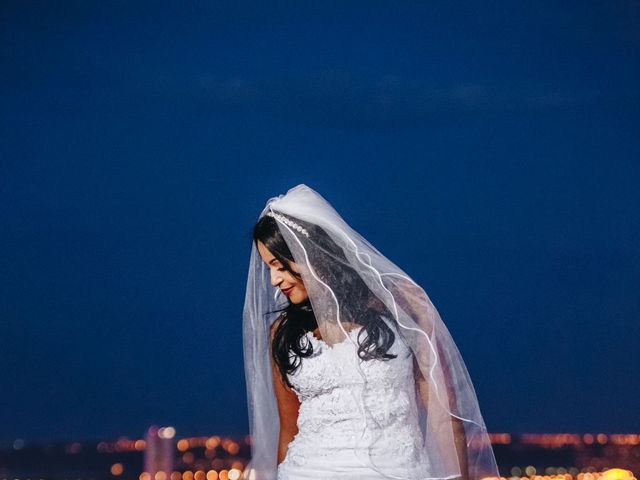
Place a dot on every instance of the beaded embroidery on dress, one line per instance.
(330, 421)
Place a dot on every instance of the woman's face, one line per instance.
(288, 283)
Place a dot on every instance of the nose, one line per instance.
(276, 279)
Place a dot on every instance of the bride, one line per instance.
(351, 373)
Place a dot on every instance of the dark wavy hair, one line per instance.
(363, 307)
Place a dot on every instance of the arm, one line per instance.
(288, 405)
(417, 304)
(459, 435)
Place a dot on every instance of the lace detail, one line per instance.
(349, 427)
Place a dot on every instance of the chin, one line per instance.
(296, 300)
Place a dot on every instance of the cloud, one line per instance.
(324, 97)
(343, 98)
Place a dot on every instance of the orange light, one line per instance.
(212, 442)
(187, 475)
(183, 445)
(188, 458)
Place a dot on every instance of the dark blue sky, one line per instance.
(491, 150)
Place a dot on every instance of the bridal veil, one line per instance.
(454, 436)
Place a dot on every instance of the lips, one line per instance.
(286, 292)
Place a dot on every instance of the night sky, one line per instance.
(490, 149)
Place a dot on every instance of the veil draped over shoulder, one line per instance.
(454, 436)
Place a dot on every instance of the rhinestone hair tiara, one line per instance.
(289, 222)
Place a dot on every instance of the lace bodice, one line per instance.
(333, 439)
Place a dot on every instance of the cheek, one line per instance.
(296, 281)
(290, 278)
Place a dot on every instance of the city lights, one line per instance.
(529, 456)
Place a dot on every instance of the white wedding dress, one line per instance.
(330, 421)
